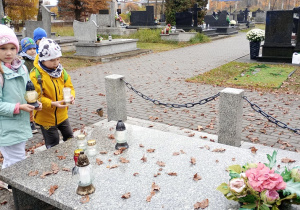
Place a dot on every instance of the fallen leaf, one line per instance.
(203, 204)
(113, 166)
(103, 152)
(172, 174)
(160, 163)
(233, 159)
(85, 199)
(52, 189)
(141, 145)
(61, 157)
(54, 168)
(135, 174)
(176, 153)
(207, 147)
(46, 173)
(33, 173)
(111, 136)
(182, 152)
(150, 150)
(197, 177)
(219, 150)
(253, 150)
(287, 160)
(144, 159)
(217, 161)
(123, 160)
(119, 151)
(193, 160)
(126, 195)
(148, 199)
(154, 187)
(155, 175)
(3, 203)
(66, 169)
(99, 161)
(191, 135)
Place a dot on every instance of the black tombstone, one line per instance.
(184, 19)
(119, 11)
(104, 11)
(142, 18)
(241, 17)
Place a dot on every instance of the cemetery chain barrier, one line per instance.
(270, 118)
(204, 101)
(157, 102)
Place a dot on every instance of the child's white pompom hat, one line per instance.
(7, 36)
(48, 49)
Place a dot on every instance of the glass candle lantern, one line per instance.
(85, 176)
(91, 150)
(31, 96)
(67, 95)
(121, 135)
(81, 142)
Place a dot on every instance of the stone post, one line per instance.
(115, 97)
(230, 116)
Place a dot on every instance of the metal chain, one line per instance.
(270, 118)
(157, 102)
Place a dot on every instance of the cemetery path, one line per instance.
(162, 76)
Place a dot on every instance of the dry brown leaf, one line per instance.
(111, 136)
(253, 150)
(233, 159)
(103, 152)
(197, 177)
(150, 150)
(219, 150)
(135, 174)
(148, 199)
(123, 160)
(203, 204)
(207, 147)
(217, 161)
(3, 203)
(46, 173)
(172, 174)
(52, 189)
(119, 151)
(85, 199)
(160, 169)
(61, 157)
(161, 164)
(113, 166)
(33, 173)
(54, 168)
(154, 187)
(141, 145)
(66, 169)
(191, 135)
(155, 175)
(176, 153)
(126, 195)
(287, 160)
(193, 160)
(144, 159)
(99, 161)
(182, 152)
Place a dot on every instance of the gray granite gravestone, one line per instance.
(45, 23)
(81, 29)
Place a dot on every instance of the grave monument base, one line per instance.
(115, 31)
(105, 47)
(276, 53)
(210, 32)
(226, 30)
(179, 37)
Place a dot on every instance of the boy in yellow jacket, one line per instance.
(49, 79)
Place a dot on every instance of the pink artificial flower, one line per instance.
(237, 185)
(262, 178)
(269, 196)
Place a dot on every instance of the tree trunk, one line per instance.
(39, 16)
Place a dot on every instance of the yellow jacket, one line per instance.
(52, 91)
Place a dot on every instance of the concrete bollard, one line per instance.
(230, 116)
(115, 97)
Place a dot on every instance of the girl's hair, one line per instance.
(1, 70)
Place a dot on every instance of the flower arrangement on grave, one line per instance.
(119, 18)
(256, 35)
(232, 22)
(99, 38)
(166, 30)
(259, 186)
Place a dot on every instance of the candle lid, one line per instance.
(77, 152)
(91, 142)
(81, 137)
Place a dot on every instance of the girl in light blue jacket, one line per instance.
(14, 110)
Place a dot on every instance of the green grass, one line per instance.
(268, 78)
(63, 31)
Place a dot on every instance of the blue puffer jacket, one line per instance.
(14, 128)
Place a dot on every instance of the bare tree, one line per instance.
(39, 16)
